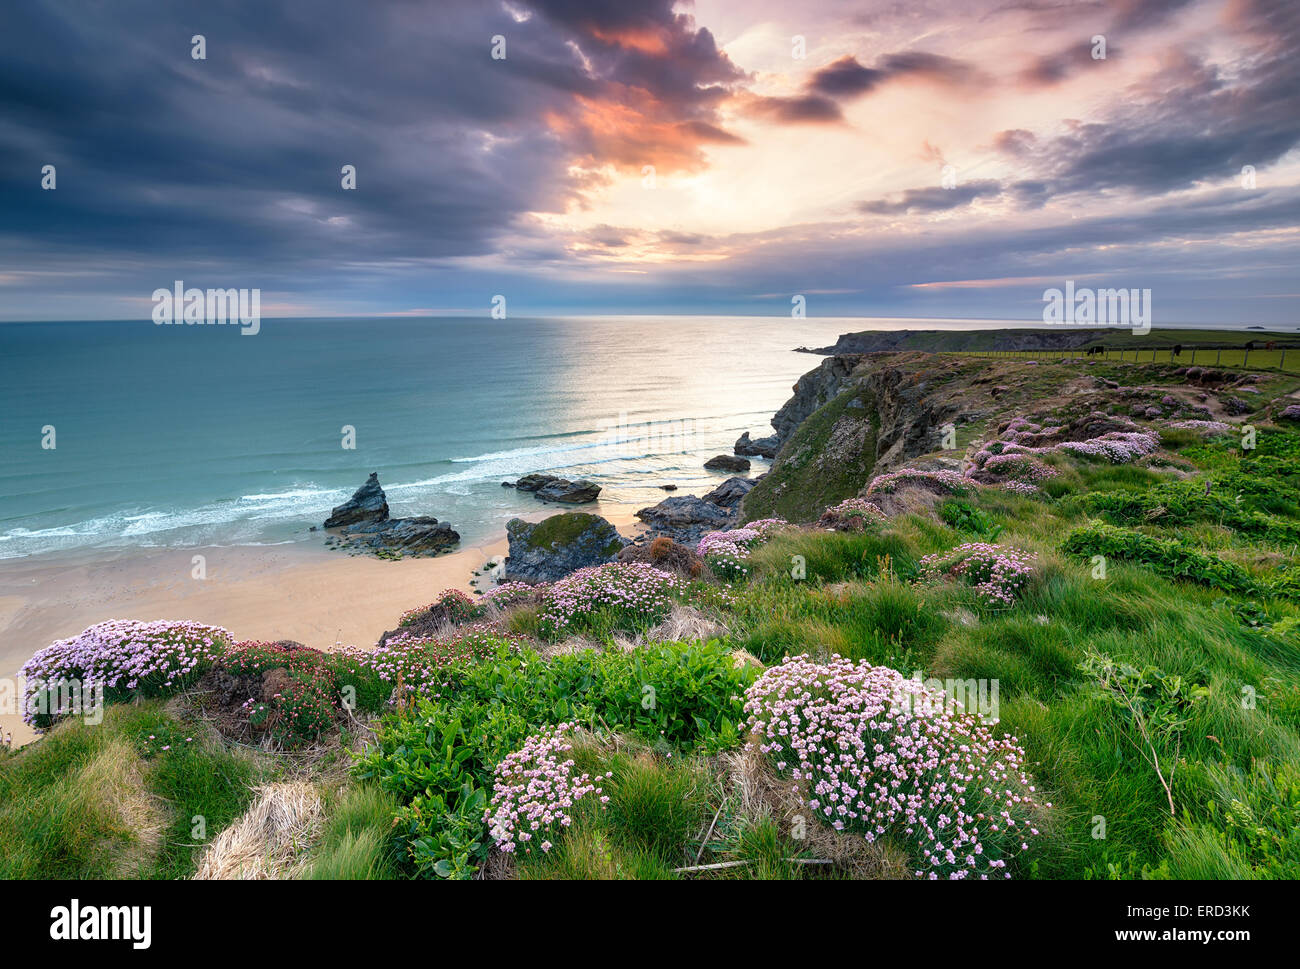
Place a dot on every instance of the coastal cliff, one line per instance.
(858, 415)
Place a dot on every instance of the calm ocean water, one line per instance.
(177, 436)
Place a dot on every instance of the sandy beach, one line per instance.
(300, 591)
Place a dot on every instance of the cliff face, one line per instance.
(852, 418)
(813, 390)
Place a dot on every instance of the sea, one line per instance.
(125, 434)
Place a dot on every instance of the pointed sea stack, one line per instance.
(367, 504)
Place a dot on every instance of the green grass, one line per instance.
(204, 786)
(102, 801)
(655, 809)
(560, 530)
(356, 842)
(65, 807)
(806, 480)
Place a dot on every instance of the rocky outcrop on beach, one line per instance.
(367, 503)
(548, 487)
(401, 536)
(366, 527)
(758, 447)
(551, 549)
(726, 462)
(685, 519)
(730, 492)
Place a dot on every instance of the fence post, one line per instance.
(1218, 356)
(1245, 356)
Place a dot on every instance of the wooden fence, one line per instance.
(1284, 358)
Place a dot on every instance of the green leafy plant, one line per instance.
(964, 517)
(1168, 557)
(439, 759)
(1157, 704)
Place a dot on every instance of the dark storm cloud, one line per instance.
(933, 199)
(845, 79)
(1188, 124)
(797, 110)
(164, 160)
(936, 67)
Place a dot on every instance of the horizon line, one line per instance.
(399, 315)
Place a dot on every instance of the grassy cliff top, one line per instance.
(1059, 337)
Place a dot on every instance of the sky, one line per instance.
(630, 157)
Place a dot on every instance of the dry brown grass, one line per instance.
(115, 777)
(764, 794)
(270, 840)
(566, 647)
(685, 623)
(915, 497)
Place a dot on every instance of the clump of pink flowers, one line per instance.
(945, 480)
(417, 662)
(1018, 467)
(1118, 447)
(455, 604)
(1021, 488)
(623, 595)
(851, 514)
(999, 573)
(1205, 427)
(726, 551)
(877, 753)
(766, 526)
(535, 791)
(511, 593)
(125, 657)
(731, 540)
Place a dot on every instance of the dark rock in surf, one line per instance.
(548, 487)
(685, 519)
(366, 526)
(367, 503)
(726, 462)
(405, 536)
(760, 447)
(730, 492)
